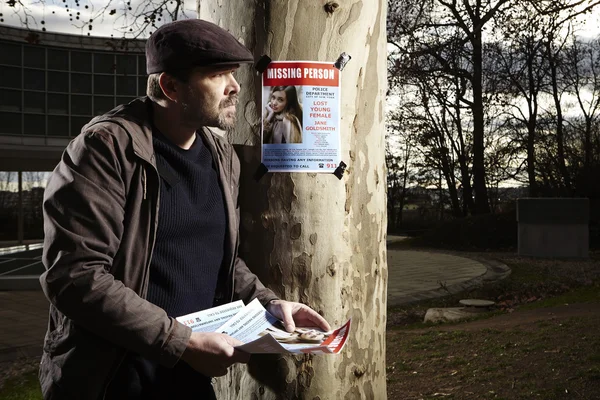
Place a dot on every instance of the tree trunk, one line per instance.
(588, 142)
(392, 198)
(482, 205)
(311, 237)
(404, 186)
(560, 140)
(531, 124)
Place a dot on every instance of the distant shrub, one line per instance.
(479, 232)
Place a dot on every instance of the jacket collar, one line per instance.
(136, 119)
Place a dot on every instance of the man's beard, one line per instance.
(227, 121)
(200, 112)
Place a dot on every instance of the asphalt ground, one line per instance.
(23, 263)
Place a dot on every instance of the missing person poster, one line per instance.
(301, 117)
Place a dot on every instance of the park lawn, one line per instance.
(538, 353)
(540, 342)
(22, 386)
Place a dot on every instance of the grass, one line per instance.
(24, 386)
(586, 294)
(516, 364)
(531, 347)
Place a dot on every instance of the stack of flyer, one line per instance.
(261, 332)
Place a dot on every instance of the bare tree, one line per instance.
(130, 18)
(555, 44)
(523, 66)
(399, 151)
(582, 72)
(446, 37)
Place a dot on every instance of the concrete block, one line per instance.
(553, 227)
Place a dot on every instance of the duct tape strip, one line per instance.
(340, 64)
(263, 63)
(339, 171)
(260, 172)
(342, 61)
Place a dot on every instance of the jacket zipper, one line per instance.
(226, 185)
(144, 181)
(144, 287)
(146, 279)
(234, 249)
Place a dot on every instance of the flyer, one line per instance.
(300, 130)
(209, 320)
(262, 333)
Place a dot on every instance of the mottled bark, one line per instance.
(311, 237)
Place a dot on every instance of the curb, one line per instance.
(495, 271)
(15, 353)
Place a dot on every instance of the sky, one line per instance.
(67, 16)
(56, 18)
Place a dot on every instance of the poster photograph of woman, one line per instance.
(282, 116)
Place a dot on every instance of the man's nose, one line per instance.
(232, 86)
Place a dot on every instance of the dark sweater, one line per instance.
(191, 229)
(185, 264)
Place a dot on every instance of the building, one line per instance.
(53, 84)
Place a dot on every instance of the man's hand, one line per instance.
(293, 314)
(212, 353)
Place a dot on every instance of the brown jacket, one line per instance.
(100, 218)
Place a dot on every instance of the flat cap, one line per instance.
(189, 43)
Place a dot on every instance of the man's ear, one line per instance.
(170, 86)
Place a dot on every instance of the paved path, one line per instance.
(419, 275)
(412, 276)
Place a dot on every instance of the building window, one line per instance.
(77, 123)
(35, 79)
(35, 102)
(81, 105)
(58, 59)
(58, 82)
(103, 104)
(34, 57)
(11, 54)
(81, 61)
(126, 85)
(142, 65)
(11, 77)
(104, 84)
(58, 104)
(35, 124)
(126, 65)
(11, 123)
(81, 83)
(142, 83)
(104, 63)
(58, 126)
(10, 100)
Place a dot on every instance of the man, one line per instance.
(119, 267)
